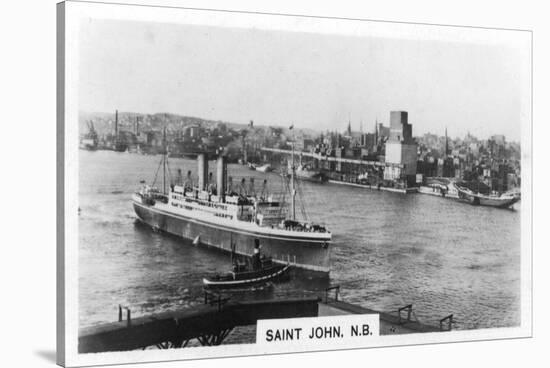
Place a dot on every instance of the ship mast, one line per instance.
(292, 188)
(164, 160)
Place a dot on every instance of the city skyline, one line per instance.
(316, 81)
(92, 116)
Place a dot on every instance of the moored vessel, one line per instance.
(441, 187)
(90, 140)
(306, 173)
(264, 168)
(500, 200)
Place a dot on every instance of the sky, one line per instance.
(317, 81)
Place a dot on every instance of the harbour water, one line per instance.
(388, 250)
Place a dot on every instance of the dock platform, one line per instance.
(389, 324)
(408, 190)
(210, 323)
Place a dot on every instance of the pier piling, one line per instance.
(408, 308)
(336, 289)
(449, 320)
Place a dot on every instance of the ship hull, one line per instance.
(309, 254)
(480, 200)
(435, 191)
(501, 203)
(489, 202)
(314, 178)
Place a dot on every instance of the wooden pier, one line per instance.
(407, 190)
(211, 322)
(402, 321)
(321, 157)
(348, 171)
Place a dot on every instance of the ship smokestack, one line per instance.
(179, 179)
(230, 184)
(251, 189)
(202, 160)
(242, 188)
(221, 176)
(189, 181)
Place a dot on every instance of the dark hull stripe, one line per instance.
(302, 254)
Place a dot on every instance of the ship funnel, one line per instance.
(221, 176)
(189, 181)
(179, 179)
(242, 188)
(251, 189)
(229, 184)
(202, 160)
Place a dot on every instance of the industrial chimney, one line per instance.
(137, 126)
(221, 176)
(116, 123)
(202, 160)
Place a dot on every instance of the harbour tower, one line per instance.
(401, 150)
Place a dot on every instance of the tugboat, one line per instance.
(260, 270)
(306, 173)
(264, 168)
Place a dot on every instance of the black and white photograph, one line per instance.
(240, 183)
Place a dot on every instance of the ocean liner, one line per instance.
(215, 215)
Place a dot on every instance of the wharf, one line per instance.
(430, 191)
(321, 157)
(402, 322)
(211, 322)
(375, 187)
(352, 161)
(389, 324)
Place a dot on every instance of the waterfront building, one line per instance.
(368, 141)
(382, 133)
(401, 149)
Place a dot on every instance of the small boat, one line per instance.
(306, 173)
(265, 168)
(251, 166)
(240, 277)
(442, 187)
